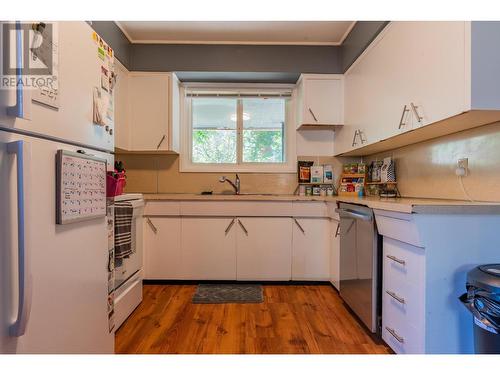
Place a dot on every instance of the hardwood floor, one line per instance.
(294, 319)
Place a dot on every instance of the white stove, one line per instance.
(128, 271)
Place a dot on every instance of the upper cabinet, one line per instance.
(320, 101)
(147, 112)
(420, 80)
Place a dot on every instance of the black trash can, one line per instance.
(483, 301)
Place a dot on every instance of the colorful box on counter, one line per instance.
(317, 174)
(304, 171)
(354, 168)
(353, 180)
(327, 174)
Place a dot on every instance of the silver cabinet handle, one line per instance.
(361, 136)
(230, 226)
(313, 115)
(414, 108)
(395, 335)
(243, 227)
(354, 138)
(18, 328)
(396, 297)
(153, 227)
(161, 141)
(300, 226)
(401, 122)
(400, 261)
(337, 232)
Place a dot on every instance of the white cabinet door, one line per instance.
(209, 248)
(376, 91)
(149, 111)
(162, 248)
(424, 63)
(311, 249)
(335, 253)
(264, 248)
(436, 69)
(320, 100)
(341, 138)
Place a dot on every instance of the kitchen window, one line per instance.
(238, 130)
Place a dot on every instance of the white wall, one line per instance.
(315, 142)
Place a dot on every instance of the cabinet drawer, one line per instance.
(403, 263)
(399, 226)
(404, 339)
(310, 209)
(127, 298)
(162, 208)
(403, 302)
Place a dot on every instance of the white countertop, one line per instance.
(406, 205)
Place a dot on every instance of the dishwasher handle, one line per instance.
(353, 214)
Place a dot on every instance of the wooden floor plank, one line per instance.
(293, 319)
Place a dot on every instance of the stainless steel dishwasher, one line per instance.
(360, 263)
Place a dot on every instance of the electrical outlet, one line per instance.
(463, 163)
(462, 167)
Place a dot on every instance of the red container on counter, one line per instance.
(115, 182)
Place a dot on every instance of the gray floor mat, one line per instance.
(228, 293)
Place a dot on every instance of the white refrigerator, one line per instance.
(53, 278)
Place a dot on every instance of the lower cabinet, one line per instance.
(403, 301)
(311, 249)
(263, 248)
(162, 248)
(208, 248)
(240, 248)
(335, 253)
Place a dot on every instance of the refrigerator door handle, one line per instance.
(18, 328)
(17, 110)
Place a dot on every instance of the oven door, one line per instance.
(127, 267)
(358, 262)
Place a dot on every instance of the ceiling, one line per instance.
(235, 32)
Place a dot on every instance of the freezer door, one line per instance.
(68, 263)
(78, 73)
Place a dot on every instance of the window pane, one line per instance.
(214, 130)
(263, 130)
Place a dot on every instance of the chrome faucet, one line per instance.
(235, 185)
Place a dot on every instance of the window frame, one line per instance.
(289, 144)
